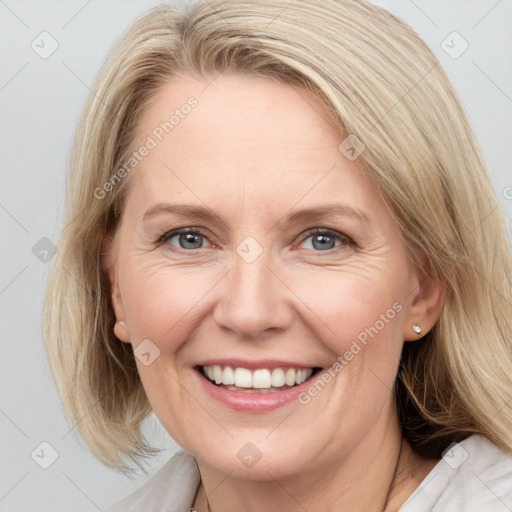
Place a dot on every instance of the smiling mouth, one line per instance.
(263, 380)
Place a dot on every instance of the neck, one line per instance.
(378, 475)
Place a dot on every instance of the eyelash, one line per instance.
(341, 237)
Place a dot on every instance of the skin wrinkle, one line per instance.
(290, 303)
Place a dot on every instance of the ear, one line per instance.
(426, 304)
(109, 266)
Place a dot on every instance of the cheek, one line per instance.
(160, 303)
(158, 300)
(358, 314)
(352, 304)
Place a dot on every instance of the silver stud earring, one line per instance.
(416, 328)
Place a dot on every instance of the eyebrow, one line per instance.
(340, 210)
(185, 210)
(203, 213)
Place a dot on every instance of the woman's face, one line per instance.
(293, 263)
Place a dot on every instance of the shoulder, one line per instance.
(172, 488)
(473, 475)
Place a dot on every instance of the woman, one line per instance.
(283, 241)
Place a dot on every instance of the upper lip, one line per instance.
(255, 364)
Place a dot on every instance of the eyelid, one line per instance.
(330, 232)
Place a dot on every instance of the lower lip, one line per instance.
(253, 403)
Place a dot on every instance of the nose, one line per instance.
(254, 302)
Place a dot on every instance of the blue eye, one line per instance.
(325, 239)
(321, 239)
(187, 238)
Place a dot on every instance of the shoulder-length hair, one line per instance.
(380, 82)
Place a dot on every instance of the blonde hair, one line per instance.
(379, 81)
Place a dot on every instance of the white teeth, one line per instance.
(303, 375)
(217, 374)
(278, 378)
(289, 378)
(263, 378)
(228, 376)
(243, 378)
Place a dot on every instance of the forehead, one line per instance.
(248, 111)
(244, 137)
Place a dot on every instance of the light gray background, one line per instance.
(40, 102)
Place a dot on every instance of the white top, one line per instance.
(473, 476)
